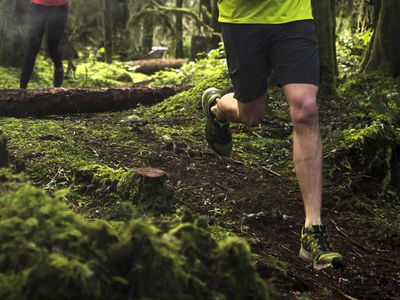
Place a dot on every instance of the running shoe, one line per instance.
(218, 134)
(317, 249)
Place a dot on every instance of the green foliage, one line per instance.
(350, 48)
(49, 252)
(366, 147)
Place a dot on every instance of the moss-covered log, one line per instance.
(20, 103)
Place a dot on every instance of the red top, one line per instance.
(50, 2)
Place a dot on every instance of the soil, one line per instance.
(265, 207)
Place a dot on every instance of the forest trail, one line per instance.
(270, 218)
(255, 197)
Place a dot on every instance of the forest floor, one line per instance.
(252, 194)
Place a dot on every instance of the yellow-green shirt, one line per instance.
(264, 11)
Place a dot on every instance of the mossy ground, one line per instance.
(253, 193)
(89, 73)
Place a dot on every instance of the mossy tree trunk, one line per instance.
(324, 14)
(384, 49)
(13, 18)
(107, 28)
(179, 31)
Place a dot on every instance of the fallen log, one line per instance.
(151, 66)
(42, 102)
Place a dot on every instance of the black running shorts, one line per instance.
(290, 50)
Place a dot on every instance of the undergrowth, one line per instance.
(45, 245)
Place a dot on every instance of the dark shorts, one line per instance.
(290, 50)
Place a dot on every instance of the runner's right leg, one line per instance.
(56, 28)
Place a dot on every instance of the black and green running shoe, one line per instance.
(218, 134)
(317, 249)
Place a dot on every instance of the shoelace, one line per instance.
(319, 240)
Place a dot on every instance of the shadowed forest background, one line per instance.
(109, 191)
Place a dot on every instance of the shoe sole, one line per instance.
(220, 149)
(307, 256)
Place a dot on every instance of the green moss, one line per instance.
(192, 72)
(184, 104)
(120, 186)
(48, 252)
(89, 73)
(49, 148)
(148, 195)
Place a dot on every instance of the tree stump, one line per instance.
(3, 150)
(147, 188)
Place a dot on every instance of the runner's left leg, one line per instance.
(307, 147)
(56, 28)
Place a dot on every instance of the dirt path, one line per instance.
(255, 196)
(265, 207)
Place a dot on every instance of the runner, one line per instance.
(261, 36)
(53, 15)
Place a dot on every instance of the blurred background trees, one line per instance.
(139, 29)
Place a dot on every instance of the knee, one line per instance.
(304, 110)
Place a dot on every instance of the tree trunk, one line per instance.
(14, 15)
(18, 103)
(347, 15)
(385, 43)
(147, 35)
(147, 188)
(325, 18)
(107, 30)
(205, 9)
(179, 31)
(365, 16)
(214, 16)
